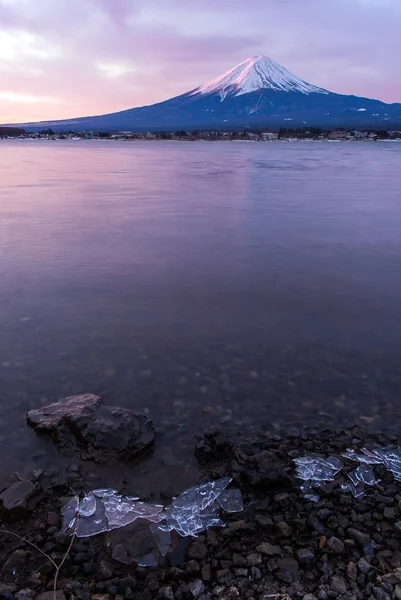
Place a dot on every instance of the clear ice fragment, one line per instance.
(193, 511)
(87, 506)
(316, 469)
(231, 501)
(363, 474)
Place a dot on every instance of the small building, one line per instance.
(269, 136)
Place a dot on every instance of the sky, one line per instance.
(71, 58)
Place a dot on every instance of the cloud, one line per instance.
(105, 55)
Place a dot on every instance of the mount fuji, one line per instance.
(257, 93)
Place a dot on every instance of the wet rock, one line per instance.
(215, 446)
(334, 545)
(287, 570)
(14, 500)
(99, 432)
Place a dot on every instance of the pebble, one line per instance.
(196, 587)
(59, 595)
(268, 549)
(334, 545)
(338, 585)
(197, 551)
(361, 539)
(254, 559)
(305, 555)
(363, 565)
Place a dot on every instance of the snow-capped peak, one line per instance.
(255, 73)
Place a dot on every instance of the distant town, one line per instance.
(305, 134)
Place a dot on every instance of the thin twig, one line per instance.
(57, 567)
(61, 564)
(30, 543)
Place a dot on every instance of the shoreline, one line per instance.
(281, 544)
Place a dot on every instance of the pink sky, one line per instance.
(70, 58)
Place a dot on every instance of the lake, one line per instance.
(242, 284)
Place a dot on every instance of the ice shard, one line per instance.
(194, 510)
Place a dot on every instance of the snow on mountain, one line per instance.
(255, 73)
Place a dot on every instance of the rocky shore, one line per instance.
(280, 546)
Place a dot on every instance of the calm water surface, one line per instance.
(234, 283)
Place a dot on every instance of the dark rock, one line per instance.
(126, 583)
(15, 499)
(287, 570)
(238, 560)
(193, 567)
(25, 594)
(223, 575)
(197, 551)
(283, 529)
(166, 592)
(99, 432)
(255, 573)
(360, 538)
(380, 594)
(267, 523)
(334, 545)
(207, 573)
(254, 559)
(105, 570)
(196, 587)
(268, 549)
(14, 563)
(7, 590)
(352, 572)
(305, 555)
(265, 469)
(389, 513)
(338, 585)
(59, 595)
(215, 446)
(363, 565)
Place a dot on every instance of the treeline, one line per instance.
(11, 131)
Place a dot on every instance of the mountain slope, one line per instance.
(255, 94)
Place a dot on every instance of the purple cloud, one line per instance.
(96, 56)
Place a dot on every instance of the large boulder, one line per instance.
(98, 432)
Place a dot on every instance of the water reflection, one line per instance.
(232, 283)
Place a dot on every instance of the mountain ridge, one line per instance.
(257, 93)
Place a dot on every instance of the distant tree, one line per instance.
(104, 134)
(180, 133)
(382, 135)
(46, 132)
(11, 131)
